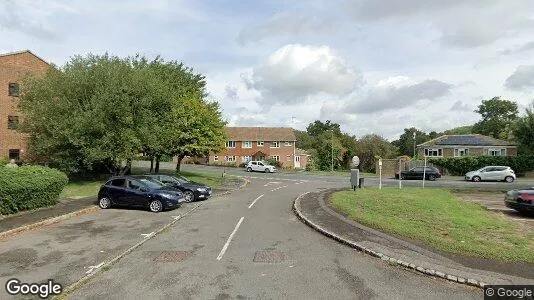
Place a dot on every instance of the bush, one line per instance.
(29, 187)
(460, 165)
(274, 162)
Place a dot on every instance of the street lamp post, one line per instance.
(414, 144)
(332, 152)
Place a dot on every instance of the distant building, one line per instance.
(466, 145)
(13, 66)
(259, 143)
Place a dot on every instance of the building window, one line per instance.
(275, 144)
(12, 122)
(288, 144)
(14, 154)
(246, 144)
(288, 158)
(246, 158)
(13, 89)
(297, 158)
(497, 152)
(216, 158)
(230, 144)
(275, 157)
(230, 158)
(461, 151)
(433, 152)
(260, 143)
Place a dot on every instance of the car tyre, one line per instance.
(509, 179)
(431, 177)
(476, 178)
(104, 203)
(249, 169)
(267, 170)
(156, 206)
(189, 196)
(402, 177)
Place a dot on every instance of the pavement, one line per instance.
(316, 210)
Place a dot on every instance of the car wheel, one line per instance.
(402, 177)
(476, 178)
(104, 203)
(249, 169)
(156, 206)
(431, 177)
(267, 170)
(189, 196)
(509, 179)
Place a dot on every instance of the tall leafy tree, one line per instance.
(498, 116)
(371, 146)
(524, 131)
(405, 143)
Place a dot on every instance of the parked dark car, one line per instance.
(520, 200)
(139, 192)
(193, 191)
(431, 173)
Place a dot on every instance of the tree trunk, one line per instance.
(156, 169)
(180, 158)
(151, 164)
(128, 167)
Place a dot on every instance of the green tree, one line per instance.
(524, 131)
(459, 130)
(304, 140)
(369, 147)
(405, 143)
(498, 116)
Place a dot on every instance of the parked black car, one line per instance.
(520, 200)
(139, 192)
(193, 191)
(431, 173)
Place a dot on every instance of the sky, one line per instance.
(373, 66)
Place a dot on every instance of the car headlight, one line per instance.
(169, 196)
(201, 189)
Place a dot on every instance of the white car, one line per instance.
(259, 166)
(492, 173)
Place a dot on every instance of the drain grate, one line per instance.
(269, 256)
(172, 256)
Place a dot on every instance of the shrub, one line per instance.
(274, 162)
(461, 165)
(29, 187)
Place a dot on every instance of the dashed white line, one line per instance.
(253, 202)
(223, 250)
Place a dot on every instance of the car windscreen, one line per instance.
(152, 183)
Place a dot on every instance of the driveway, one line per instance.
(250, 245)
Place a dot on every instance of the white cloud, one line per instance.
(521, 79)
(460, 106)
(295, 72)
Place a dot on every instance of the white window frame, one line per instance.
(458, 152)
(230, 143)
(259, 143)
(275, 157)
(437, 151)
(229, 158)
(215, 158)
(246, 158)
(297, 158)
(497, 151)
(288, 157)
(275, 144)
(288, 144)
(246, 144)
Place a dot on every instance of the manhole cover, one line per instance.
(172, 256)
(269, 256)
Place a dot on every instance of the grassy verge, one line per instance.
(440, 220)
(88, 188)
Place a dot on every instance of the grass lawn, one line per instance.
(437, 218)
(80, 189)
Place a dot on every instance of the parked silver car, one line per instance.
(260, 166)
(492, 173)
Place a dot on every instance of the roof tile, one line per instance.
(260, 134)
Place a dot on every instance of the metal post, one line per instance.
(414, 144)
(424, 173)
(332, 152)
(400, 177)
(380, 176)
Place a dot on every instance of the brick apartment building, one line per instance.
(260, 143)
(14, 66)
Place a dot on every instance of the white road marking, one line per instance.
(223, 250)
(147, 235)
(176, 217)
(253, 202)
(272, 182)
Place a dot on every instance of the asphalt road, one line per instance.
(249, 244)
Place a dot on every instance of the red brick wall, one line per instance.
(283, 151)
(12, 69)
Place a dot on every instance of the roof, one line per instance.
(299, 151)
(260, 134)
(466, 140)
(22, 52)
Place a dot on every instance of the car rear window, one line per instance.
(118, 182)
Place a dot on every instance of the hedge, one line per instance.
(29, 187)
(460, 165)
